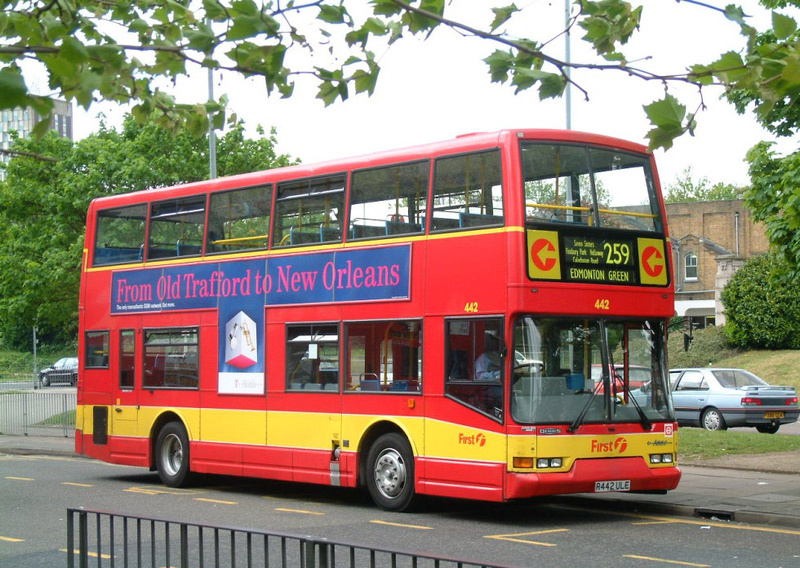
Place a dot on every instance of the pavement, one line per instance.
(762, 489)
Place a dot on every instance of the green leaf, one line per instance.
(333, 14)
(783, 26)
(502, 15)
(667, 111)
(13, 91)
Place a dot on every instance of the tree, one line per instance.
(762, 307)
(118, 51)
(686, 188)
(43, 208)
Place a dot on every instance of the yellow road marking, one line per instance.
(709, 524)
(10, 539)
(160, 491)
(665, 561)
(21, 478)
(220, 501)
(76, 484)
(515, 537)
(388, 524)
(92, 554)
(299, 511)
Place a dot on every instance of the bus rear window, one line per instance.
(588, 186)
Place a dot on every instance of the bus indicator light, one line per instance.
(652, 262)
(544, 255)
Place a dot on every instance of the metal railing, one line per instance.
(38, 413)
(101, 538)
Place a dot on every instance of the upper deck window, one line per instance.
(309, 211)
(588, 186)
(468, 191)
(389, 201)
(120, 235)
(176, 228)
(239, 220)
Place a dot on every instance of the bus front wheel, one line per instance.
(390, 473)
(172, 454)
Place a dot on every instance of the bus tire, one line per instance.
(172, 454)
(390, 473)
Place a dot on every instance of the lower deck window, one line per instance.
(312, 357)
(384, 356)
(171, 358)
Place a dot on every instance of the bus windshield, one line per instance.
(579, 371)
(588, 186)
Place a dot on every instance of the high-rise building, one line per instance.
(24, 119)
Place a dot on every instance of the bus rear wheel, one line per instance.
(172, 454)
(390, 473)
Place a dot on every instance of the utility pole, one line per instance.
(568, 94)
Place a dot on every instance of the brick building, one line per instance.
(710, 241)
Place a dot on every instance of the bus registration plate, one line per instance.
(617, 485)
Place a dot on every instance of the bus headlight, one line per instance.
(544, 463)
(661, 458)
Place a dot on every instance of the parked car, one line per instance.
(639, 376)
(720, 398)
(63, 371)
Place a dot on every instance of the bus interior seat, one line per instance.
(360, 231)
(401, 228)
(299, 237)
(295, 386)
(445, 223)
(331, 387)
(313, 386)
(328, 234)
(478, 220)
(370, 385)
(458, 365)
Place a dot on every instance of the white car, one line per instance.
(720, 398)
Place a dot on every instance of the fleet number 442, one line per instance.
(602, 304)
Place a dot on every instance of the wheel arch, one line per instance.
(371, 434)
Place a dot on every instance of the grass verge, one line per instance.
(699, 444)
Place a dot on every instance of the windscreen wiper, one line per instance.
(579, 420)
(646, 423)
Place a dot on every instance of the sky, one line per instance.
(439, 88)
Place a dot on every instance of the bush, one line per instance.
(762, 306)
(708, 346)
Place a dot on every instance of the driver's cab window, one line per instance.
(475, 358)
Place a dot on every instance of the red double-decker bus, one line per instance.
(460, 319)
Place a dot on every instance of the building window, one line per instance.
(690, 267)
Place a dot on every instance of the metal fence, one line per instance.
(38, 413)
(101, 538)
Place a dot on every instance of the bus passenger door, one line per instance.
(125, 406)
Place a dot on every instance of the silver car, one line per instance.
(720, 398)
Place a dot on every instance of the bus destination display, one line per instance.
(593, 259)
